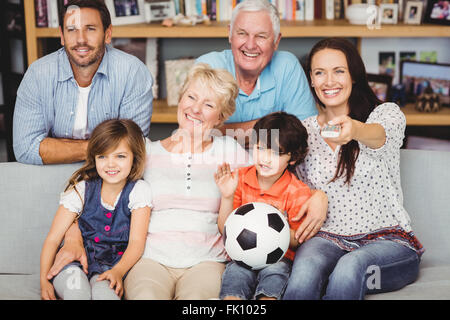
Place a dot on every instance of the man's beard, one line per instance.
(98, 54)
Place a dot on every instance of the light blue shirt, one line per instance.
(281, 86)
(48, 94)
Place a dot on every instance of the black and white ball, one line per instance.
(256, 235)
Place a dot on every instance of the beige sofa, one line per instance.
(29, 198)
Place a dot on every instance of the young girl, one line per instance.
(113, 210)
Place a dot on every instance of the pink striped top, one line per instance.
(183, 226)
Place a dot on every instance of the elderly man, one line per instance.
(269, 80)
(66, 94)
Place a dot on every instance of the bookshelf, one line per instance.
(289, 29)
(164, 114)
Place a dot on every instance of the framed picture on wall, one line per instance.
(413, 12)
(438, 11)
(126, 11)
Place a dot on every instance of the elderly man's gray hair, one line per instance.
(258, 5)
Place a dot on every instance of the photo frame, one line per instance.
(388, 13)
(158, 11)
(417, 75)
(381, 85)
(438, 12)
(413, 12)
(126, 11)
(176, 72)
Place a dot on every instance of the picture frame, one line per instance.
(415, 75)
(176, 72)
(388, 13)
(438, 12)
(126, 11)
(381, 85)
(159, 10)
(413, 12)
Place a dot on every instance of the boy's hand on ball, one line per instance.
(226, 180)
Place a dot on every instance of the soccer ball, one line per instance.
(256, 235)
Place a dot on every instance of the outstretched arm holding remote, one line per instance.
(369, 134)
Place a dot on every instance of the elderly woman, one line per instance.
(184, 254)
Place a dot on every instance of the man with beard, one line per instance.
(66, 94)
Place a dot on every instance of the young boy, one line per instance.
(281, 144)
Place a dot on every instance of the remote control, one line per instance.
(330, 131)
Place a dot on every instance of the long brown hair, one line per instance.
(106, 137)
(361, 102)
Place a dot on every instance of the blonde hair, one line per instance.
(106, 137)
(220, 81)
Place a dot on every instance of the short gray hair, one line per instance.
(258, 5)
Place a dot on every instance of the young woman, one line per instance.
(366, 243)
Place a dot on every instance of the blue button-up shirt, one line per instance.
(281, 86)
(48, 94)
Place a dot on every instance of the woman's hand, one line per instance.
(115, 278)
(226, 180)
(372, 135)
(348, 129)
(316, 208)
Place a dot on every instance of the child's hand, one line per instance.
(47, 291)
(115, 278)
(226, 180)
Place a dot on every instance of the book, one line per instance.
(329, 9)
(52, 13)
(309, 10)
(300, 10)
(40, 7)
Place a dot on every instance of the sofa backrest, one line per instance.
(426, 197)
(29, 199)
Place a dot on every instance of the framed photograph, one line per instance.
(386, 63)
(126, 11)
(176, 73)
(438, 12)
(158, 11)
(413, 12)
(381, 85)
(388, 13)
(417, 75)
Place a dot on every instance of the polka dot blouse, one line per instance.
(373, 201)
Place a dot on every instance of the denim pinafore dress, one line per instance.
(105, 232)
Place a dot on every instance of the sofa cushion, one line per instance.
(20, 287)
(433, 283)
(29, 197)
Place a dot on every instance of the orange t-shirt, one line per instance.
(288, 194)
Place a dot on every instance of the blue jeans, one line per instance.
(321, 270)
(238, 281)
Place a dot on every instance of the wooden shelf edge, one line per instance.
(165, 114)
(289, 29)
